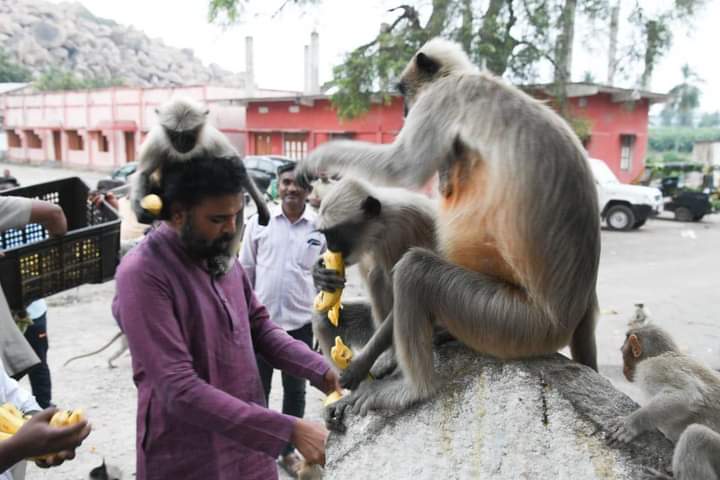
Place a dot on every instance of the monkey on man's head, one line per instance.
(684, 402)
(518, 231)
(182, 133)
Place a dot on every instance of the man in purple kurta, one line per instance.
(194, 330)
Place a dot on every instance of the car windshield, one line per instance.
(602, 172)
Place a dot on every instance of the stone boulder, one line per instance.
(536, 419)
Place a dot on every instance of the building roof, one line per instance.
(579, 89)
(12, 86)
(586, 89)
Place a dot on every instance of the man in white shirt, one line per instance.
(278, 259)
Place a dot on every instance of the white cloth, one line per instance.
(36, 309)
(11, 392)
(278, 259)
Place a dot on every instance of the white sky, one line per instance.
(344, 24)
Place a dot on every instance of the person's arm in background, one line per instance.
(50, 216)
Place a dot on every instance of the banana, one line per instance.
(152, 203)
(332, 398)
(9, 421)
(76, 416)
(12, 409)
(5, 436)
(341, 354)
(331, 300)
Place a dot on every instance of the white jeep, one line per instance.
(624, 206)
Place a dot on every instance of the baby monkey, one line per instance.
(684, 402)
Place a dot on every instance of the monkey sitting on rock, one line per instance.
(373, 227)
(684, 402)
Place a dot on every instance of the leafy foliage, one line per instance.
(12, 72)
(56, 79)
(684, 100)
(679, 139)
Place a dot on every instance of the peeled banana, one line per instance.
(330, 301)
(341, 354)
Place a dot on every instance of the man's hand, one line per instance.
(37, 438)
(96, 198)
(331, 382)
(325, 278)
(50, 216)
(309, 438)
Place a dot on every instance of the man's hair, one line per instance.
(190, 182)
(285, 167)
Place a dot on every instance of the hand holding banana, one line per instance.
(330, 301)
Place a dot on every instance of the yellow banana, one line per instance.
(332, 398)
(9, 422)
(4, 436)
(341, 354)
(76, 417)
(331, 300)
(12, 409)
(60, 419)
(152, 203)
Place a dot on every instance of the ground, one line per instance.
(670, 266)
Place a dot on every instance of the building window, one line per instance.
(13, 139)
(342, 136)
(295, 145)
(294, 109)
(75, 141)
(102, 141)
(627, 147)
(33, 140)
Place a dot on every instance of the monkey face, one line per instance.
(344, 238)
(421, 71)
(183, 140)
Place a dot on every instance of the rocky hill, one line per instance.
(40, 35)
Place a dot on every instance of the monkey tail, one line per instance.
(104, 347)
(582, 345)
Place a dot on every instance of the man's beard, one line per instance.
(215, 252)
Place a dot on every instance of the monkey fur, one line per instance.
(684, 402)
(518, 228)
(374, 227)
(182, 133)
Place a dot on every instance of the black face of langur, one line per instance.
(346, 237)
(425, 69)
(183, 140)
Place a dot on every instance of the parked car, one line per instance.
(622, 206)
(688, 205)
(263, 168)
(118, 177)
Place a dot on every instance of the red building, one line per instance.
(294, 125)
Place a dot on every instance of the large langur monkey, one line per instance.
(518, 230)
(182, 132)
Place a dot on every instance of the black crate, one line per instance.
(35, 266)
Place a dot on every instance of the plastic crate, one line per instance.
(35, 266)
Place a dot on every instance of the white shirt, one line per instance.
(11, 392)
(278, 259)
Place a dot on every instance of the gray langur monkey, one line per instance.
(684, 402)
(374, 227)
(182, 132)
(518, 228)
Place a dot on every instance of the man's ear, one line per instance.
(371, 206)
(177, 214)
(635, 346)
(426, 64)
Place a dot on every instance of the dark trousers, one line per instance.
(36, 335)
(293, 387)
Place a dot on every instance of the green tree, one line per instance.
(684, 98)
(709, 119)
(11, 71)
(56, 79)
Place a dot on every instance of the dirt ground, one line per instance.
(672, 267)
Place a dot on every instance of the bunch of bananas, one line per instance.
(330, 301)
(12, 420)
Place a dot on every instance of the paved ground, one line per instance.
(672, 267)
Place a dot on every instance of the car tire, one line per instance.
(697, 218)
(620, 217)
(639, 223)
(683, 214)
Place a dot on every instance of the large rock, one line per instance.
(538, 419)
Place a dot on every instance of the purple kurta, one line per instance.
(201, 407)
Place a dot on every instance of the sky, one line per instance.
(345, 24)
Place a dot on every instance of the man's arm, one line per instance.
(50, 216)
(280, 349)
(144, 308)
(248, 252)
(18, 396)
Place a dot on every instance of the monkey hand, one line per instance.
(334, 413)
(326, 278)
(621, 431)
(355, 373)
